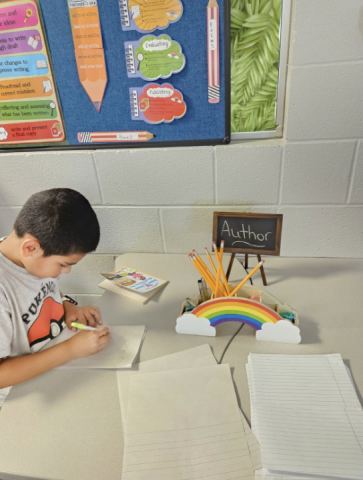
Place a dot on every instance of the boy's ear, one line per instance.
(30, 247)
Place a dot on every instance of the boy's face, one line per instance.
(40, 266)
(53, 266)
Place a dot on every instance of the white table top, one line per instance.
(67, 426)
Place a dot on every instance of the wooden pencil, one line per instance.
(207, 273)
(196, 264)
(246, 278)
(218, 256)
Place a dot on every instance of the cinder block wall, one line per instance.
(162, 200)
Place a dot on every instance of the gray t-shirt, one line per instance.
(31, 310)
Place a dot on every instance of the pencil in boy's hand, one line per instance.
(80, 326)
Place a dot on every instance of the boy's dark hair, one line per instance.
(62, 220)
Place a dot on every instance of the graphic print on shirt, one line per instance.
(48, 325)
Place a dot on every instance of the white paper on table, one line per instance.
(4, 392)
(306, 416)
(201, 356)
(125, 344)
(253, 445)
(185, 425)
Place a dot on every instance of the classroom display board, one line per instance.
(118, 73)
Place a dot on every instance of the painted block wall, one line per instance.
(162, 200)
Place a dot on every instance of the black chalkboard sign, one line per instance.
(254, 233)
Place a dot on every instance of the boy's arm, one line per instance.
(16, 370)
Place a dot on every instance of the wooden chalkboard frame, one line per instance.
(252, 251)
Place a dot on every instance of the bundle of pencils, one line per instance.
(216, 278)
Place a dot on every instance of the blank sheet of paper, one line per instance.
(306, 415)
(185, 425)
(125, 343)
(200, 356)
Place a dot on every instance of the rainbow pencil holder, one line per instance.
(263, 310)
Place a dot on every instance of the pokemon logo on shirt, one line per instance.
(48, 325)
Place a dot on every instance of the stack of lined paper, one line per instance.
(182, 421)
(306, 417)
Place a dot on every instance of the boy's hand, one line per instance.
(87, 343)
(87, 315)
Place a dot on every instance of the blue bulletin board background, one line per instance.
(203, 123)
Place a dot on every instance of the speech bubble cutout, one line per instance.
(155, 14)
(162, 103)
(34, 132)
(18, 16)
(31, 110)
(162, 57)
(25, 88)
(23, 66)
(20, 42)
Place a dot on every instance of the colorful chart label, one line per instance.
(26, 88)
(153, 57)
(31, 132)
(23, 66)
(18, 16)
(36, 109)
(156, 103)
(20, 42)
(149, 15)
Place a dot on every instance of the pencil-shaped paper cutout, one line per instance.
(115, 137)
(213, 51)
(90, 56)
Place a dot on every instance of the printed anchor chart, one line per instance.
(29, 108)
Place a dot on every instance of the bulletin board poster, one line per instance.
(113, 73)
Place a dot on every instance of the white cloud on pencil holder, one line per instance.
(282, 331)
(191, 325)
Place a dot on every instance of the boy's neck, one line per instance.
(10, 248)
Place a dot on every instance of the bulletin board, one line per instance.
(203, 123)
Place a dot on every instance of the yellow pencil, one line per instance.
(203, 265)
(207, 273)
(195, 263)
(248, 276)
(221, 250)
(216, 274)
(217, 282)
(211, 260)
(218, 256)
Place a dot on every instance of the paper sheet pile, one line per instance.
(182, 421)
(306, 417)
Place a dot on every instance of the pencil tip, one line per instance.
(97, 106)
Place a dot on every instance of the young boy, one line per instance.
(54, 230)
